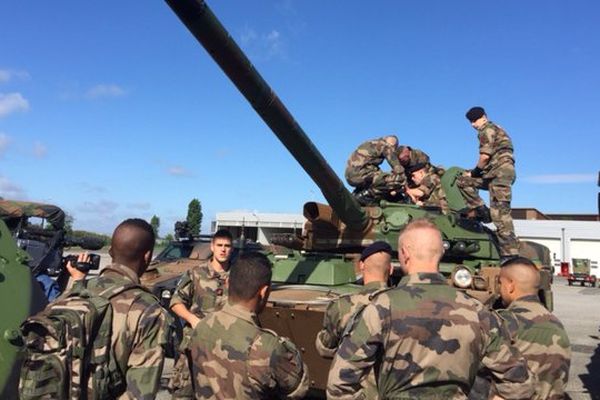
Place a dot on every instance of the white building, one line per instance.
(258, 226)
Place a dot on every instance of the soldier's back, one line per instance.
(234, 358)
(140, 329)
(543, 341)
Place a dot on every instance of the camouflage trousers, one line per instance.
(180, 384)
(499, 185)
(379, 182)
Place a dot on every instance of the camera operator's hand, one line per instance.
(74, 272)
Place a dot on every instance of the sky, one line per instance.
(112, 110)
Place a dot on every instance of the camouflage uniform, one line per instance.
(234, 358)
(433, 192)
(363, 172)
(335, 321)
(417, 157)
(498, 177)
(337, 316)
(201, 290)
(544, 343)
(425, 339)
(139, 332)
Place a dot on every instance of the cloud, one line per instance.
(90, 188)
(12, 102)
(4, 143)
(177, 170)
(140, 206)
(104, 208)
(552, 179)
(39, 150)
(10, 190)
(265, 45)
(7, 75)
(105, 91)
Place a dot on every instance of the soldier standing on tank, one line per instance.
(233, 356)
(428, 191)
(495, 171)
(424, 338)
(535, 331)
(363, 172)
(200, 291)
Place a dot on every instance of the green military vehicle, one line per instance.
(319, 265)
(582, 272)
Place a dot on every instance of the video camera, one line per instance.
(45, 248)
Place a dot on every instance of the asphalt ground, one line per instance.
(578, 309)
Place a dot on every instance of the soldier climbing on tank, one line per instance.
(427, 190)
(495, 171)
(370, 182)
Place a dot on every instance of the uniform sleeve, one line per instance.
(357, 354)
(145, 363)
(428, 185)
(486, 141)
(184, 292)
(503, 363)
(328, 337)
(390, 154)
(289, 372)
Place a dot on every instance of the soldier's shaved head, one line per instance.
(518, 277)
(420, 247)
(132, 242)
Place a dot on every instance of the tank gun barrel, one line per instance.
(206, 28)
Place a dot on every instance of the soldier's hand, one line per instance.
(74, 272)
(467, 173)
(194, 321)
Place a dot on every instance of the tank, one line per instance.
(320, 264)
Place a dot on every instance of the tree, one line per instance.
(155, 222)
(68, 227)
(194, 216)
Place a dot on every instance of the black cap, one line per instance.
(416, 167)
(375, 247)
(475, 113)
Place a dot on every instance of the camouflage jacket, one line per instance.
(433, 192)
(425, 339)
(139, 332)
(234, 358)
(417, 158)
(202, 290)
(338, 314)
(544, 343)
(370, 155)
(496, 143)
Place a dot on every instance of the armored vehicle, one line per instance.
(319, 265)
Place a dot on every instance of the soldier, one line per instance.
(410, 157)
(140, 324)
(535, 331)
(232, 356)
(376, 267)
(495, 171)
(428, 191)
(363, 172)
(424, 338)
(200, 291)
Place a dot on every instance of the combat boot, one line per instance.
(482, 213)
